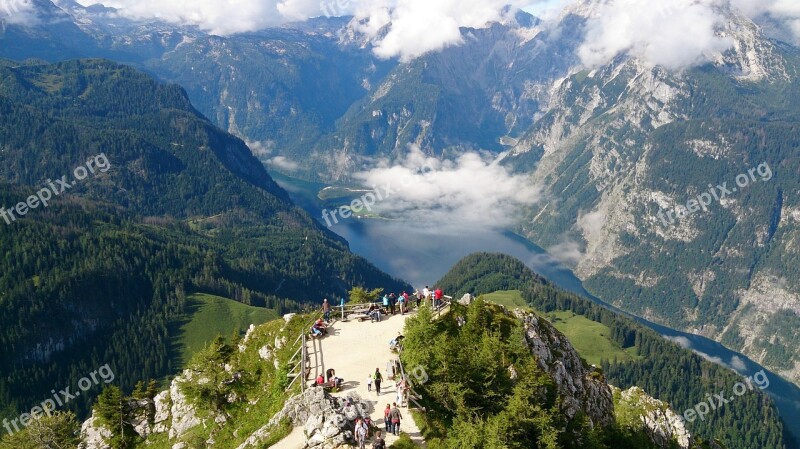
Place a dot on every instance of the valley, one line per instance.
(422, 256)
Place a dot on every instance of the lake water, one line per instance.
(421, 255)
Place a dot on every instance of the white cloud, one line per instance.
(674, 34)
(281, 163)
(785, 12)
(221, 17)
(473, 191)
(18, 12)
(413, 27)
(567, 252)
(261, 149)
(591, 224)
(416, 27)
(680, 341)
(738, 364)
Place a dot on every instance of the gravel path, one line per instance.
(354, 349)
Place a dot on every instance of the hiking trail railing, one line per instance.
(441, 304)
(300, 362)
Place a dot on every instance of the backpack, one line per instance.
(380, 443)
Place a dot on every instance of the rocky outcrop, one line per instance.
(581, 387)
(183, 414)
(658, 420)
(327, 421)
(94, 435)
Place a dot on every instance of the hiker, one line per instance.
(369, 383)
(379, 443)
(437, 296)
(401, 388)
(395, 416)
(386, 418)
(378, 378)
(361, 433)
(426, 292)
(392, 302)
(337, 381)
(315, 331)
(386, 304)
(418, 296)
(374, 313)
(326, 310)
(320, 379)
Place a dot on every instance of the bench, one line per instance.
(327, 386)
(363, 317)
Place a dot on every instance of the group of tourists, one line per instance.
(391, 416)
(391, 303)
(403, 302)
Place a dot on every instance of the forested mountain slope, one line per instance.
(664, 370)
(160, 204)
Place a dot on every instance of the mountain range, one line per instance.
(623, 151)
(611, 147)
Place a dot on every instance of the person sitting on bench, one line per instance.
(319, 329)
(374, 313)
(336, 381)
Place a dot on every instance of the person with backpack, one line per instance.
(392, 302)
(379, 443)
(378, 378)
(386, 304)
(361, 433)
(394, 417)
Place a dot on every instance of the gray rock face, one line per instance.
(577, 383)
(327, 421)
(182, 413)
(466, 299)
(93, 435)
(659, 421)
(161, 421)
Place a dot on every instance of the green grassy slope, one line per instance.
(591, 339)
(214, 315)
